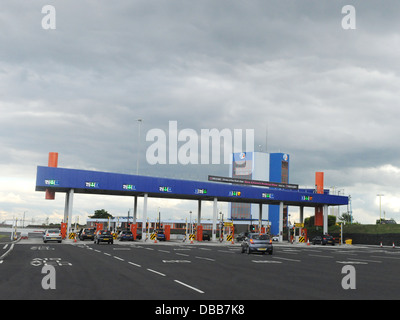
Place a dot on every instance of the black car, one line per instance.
(316, 240)
(324, 240)
(125, 236)
(327, 239)
(259, 242)
(103, 236)
(206, 236)
(87, 233)
(241, 236)
(161, 235)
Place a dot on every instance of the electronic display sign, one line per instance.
(267, 195)
(200, 191)
(51, 182)
(165, 189)
(128, 187)
(90, 184)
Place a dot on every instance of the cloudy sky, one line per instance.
(328, 96)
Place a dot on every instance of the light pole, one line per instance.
(380, 207)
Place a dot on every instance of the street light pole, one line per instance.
(380, 207)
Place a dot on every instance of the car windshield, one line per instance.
(104, 232)
(53, 231)
(260, 237)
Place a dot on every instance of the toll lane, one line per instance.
(84, 270)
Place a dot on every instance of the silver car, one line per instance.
(52, 235)
(257, 242)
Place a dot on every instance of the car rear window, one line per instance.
(260, 237)
(53, 231)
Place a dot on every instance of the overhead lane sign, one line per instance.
(257, 183)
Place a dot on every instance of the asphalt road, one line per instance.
(162, 271)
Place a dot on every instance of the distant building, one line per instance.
(273, 167)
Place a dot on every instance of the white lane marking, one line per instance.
(203, 258)
(182, 254)
(287, 259)
(190, 287)
(161, 274)
(134, 264)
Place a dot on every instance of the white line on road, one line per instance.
(161, 274)
(5, 247)
(107, 254)
(226, 251)
(134, 264)
(287, 259)
(203, 258)
(365, 260)
(190, 287)
(351, 262)
(119, 258)
(182, 254)
(319, 256)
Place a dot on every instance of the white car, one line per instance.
(52, 235)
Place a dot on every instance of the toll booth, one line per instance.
(167, 232)
(64, 230)
(99, 226)
(300, 233)
(133, 228)
(199, 230)
(228, 231)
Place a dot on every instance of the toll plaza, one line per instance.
(52, 180)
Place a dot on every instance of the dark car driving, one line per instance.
(257, 242)
(241, 236)
(324, 240)
(125, 236)
(103, 236)
(161, 235)
(87, 233)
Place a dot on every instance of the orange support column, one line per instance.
(319, 188)
(53, 162)
(199, 233)
(99, 226)
(167, 232)
(63, 230)
(134, 230)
